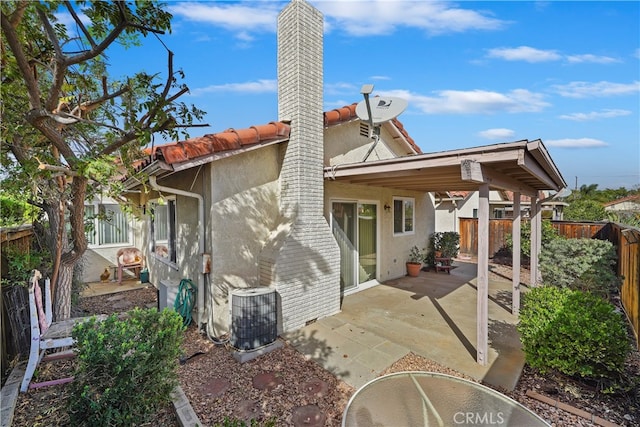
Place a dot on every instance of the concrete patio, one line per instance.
(433, 315)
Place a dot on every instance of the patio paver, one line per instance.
(433, 315)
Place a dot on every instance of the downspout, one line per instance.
(155, 186)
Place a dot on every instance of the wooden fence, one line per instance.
(14, 304)
(626, 240)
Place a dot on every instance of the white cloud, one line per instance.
(260, 86)
(533, 55)
(235, 17)
(595, 115)
(383, 17)
(599, 89)
(376, 17)
(591, 59)
(524, 53)
(498, 133)
(67, 20)
(340, 88)
(474, 101)
(575, 143)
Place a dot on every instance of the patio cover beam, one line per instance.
(471, 170)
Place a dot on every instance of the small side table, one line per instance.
(443, 264)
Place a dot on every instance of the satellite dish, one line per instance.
(565, 192)
(382, 109)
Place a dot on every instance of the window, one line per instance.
(106, 224)
(163, 230)
(403, 215)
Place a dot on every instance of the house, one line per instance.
(629, 204)
(292, 205)
(453, 205)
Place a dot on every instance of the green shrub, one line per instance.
(585, 264)
(547, 234)
(447, 242)
(21, 263)
(16, 212)
(127, 368)
(584, 210)
(574, 332)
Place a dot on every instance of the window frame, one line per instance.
(171, 229)
(93, 239)
(403, 220)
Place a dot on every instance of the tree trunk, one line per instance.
(62, 300)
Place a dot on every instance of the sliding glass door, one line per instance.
(355, 227)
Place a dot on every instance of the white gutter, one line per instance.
(155, 186)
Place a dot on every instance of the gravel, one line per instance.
(287, 389)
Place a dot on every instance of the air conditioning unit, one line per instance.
(253, 318)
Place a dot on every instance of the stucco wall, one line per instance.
(244, 209)
(344, 144)
(393, 250)
(188, 255)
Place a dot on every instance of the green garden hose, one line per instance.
(185, 300)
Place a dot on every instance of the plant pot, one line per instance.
(413, 268)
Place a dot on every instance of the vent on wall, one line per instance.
(253, 318)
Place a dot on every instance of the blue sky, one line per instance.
(473, 73)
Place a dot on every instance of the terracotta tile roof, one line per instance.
(234, 139)
(631, 198)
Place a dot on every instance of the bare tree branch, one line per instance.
(40, 120)
(21, 59)
(59, 68)
(67, 119)
(165, 92)
(53, 168)
(17, 14)
(79, 23)
(89, 106)
(145, 28)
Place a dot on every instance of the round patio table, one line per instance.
(415, 399)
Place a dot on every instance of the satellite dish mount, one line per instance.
(382, 110)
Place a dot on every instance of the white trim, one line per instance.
(413, 222)
(377, 203)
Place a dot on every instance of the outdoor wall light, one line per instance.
(387, 208)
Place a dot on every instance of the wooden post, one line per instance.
(535, 240)
(483, 276)
(515, 261)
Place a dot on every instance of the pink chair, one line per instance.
(130, 258)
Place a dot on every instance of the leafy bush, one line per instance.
(574, 332)
(447, 242)
(585, 264)
(415, 255)
(126, 368)
(584, 210)
(15, 212)
(547, 234)
(21, 263)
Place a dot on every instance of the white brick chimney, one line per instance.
(302, 260)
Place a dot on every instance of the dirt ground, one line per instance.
(289, 390)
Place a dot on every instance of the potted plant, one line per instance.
(414, 264)
(443, 244)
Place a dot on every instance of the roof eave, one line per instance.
(223, 155)
(156, 167)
